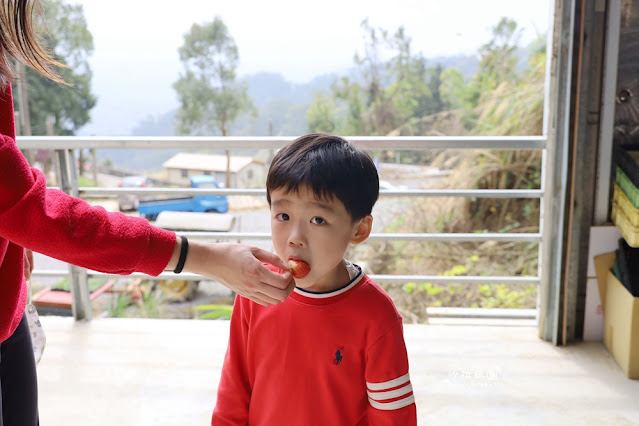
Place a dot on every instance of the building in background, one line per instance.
(246, 172)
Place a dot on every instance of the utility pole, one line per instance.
(24, 117)
(94, 154)
(50, 158)
(271, 152)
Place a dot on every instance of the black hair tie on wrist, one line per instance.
(184, 248)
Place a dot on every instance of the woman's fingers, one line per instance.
(28, 263)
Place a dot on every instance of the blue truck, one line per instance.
(196, 203)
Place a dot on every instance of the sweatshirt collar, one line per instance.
(306, 296)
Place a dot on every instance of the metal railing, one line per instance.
(69, 183)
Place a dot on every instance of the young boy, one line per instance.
(333, 353)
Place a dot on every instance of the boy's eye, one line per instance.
(318, 220)
(281, 216)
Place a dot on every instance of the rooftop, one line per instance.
(165, 372)
(206, 162)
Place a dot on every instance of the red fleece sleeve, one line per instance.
(390, 392)
(49, 221)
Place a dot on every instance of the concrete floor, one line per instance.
(165, 372)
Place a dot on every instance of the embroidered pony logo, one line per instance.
(338, 356)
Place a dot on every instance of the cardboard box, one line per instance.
(603, 239)
(593, 315)
(620, 315)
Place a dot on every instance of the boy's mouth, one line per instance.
(298, 268)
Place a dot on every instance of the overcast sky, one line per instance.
(136, 41)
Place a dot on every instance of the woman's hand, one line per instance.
(241, 268)
(28, 264)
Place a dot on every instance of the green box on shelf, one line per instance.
(627, 187)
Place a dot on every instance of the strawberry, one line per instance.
(298, 268)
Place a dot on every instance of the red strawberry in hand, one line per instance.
(298, 268)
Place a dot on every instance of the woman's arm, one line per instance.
(239, 267)
(51, 222)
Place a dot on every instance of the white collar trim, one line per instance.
(354, 272)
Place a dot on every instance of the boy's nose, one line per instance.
(295, 241)
(296, 238)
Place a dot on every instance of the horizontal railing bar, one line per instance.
(267, 142)
(49, 273)
(398, 279)
(461, 279)
(502, 313)
(90, 191)
(469, 193)
(460, 237)
(439, 237)
(52, 273)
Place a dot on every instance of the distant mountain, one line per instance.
(161, 125)
(265, 87)
(281, 104)
(467, 64)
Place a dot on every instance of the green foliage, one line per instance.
(214, 311)
(472, 295)
(452, 88)
(498, 61)
(397, 224)
(390, 92)
(320, 117)
(502, 296)
(349, 94)
(394, 93)
(429, 288)
(121, 303)
(86, 182)
(71, 42)
(294, 121)
(64, 283)
(149, 305)
(210, 98)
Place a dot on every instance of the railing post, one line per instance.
(558, 99)
(78, 282)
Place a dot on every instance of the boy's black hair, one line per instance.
(331, 167)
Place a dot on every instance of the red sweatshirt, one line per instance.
(50, 222)
(335, 358)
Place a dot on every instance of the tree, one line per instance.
(71, 42)
(53, 108)
(452, 88)
(320, 117)
(210, 98)
(498, 62)
(388, 92)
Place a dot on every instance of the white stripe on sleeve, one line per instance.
(382, 386)
(381, 396)
(395, 405)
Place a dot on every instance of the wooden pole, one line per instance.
(23, 100)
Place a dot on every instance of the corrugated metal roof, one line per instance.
(207, 162)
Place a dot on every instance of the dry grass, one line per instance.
(472, 169)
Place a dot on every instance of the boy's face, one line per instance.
(316, 231)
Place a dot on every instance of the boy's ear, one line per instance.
(363, 230)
